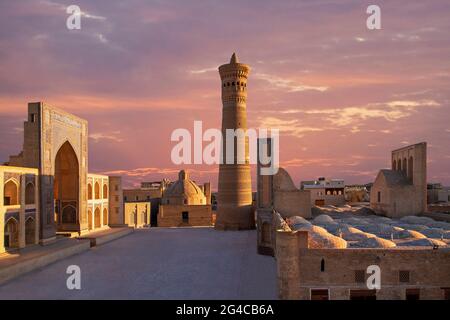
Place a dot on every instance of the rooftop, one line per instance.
(159, 263)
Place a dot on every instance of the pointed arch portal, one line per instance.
(66, 188)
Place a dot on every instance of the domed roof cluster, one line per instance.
(370, 231)
(184, 191)
(320, 238)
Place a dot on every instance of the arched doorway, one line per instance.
(410, 168)
(97, 190)
(29, 193)
(89, 219)
(105, 191)
(66, 188)
(97, 219)
(105, 216)
(11, 234)
(11, 193)
(89, 191)
(69, 215)
(30, 234)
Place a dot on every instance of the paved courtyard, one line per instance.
(183, 263)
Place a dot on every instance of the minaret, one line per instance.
(234, 210)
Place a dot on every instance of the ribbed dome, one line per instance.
(319, 238)
(423, 243)
(374, 242)
(184, 191)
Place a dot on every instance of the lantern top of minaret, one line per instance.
(234, 59)
(228, 70)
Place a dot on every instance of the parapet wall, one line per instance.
(301, 269)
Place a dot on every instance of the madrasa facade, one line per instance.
(47, 189)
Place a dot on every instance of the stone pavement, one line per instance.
(159, 263)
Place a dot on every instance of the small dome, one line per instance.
(374, 242)
(323, 218)
(407, 234)
(352, 234)
(184, 191)
(297, 222)
(416, 227)
(422, 243)
(433, 233)
(320, 238)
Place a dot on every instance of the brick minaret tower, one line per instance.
(234, 210)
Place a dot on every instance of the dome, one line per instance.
(422, 243)
(353, 234)
(297, 222)
(406, 234)
(184, 191)
(433, 233)
(374, 242)
(319, 238)
(323, 218)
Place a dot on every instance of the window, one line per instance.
(11, 193)
(185, 216)
(379, 196)
(69, 215)
(125, 198)
(410, 168)
(137, 198)
(116, 198)
(97, 190)
(33, 117)
(105, 191)
(89, 191)
(403, 276)
(29, 193)
(360, 276)
(412, 294)
(322, 265)
(319, 294)
(363, 295)
(116, 209)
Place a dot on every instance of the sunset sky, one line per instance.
(343, 96)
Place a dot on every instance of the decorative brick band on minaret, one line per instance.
(234, 210)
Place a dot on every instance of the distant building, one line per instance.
(402, 190)
(325, 191)
(184, 203)
(150, 192)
